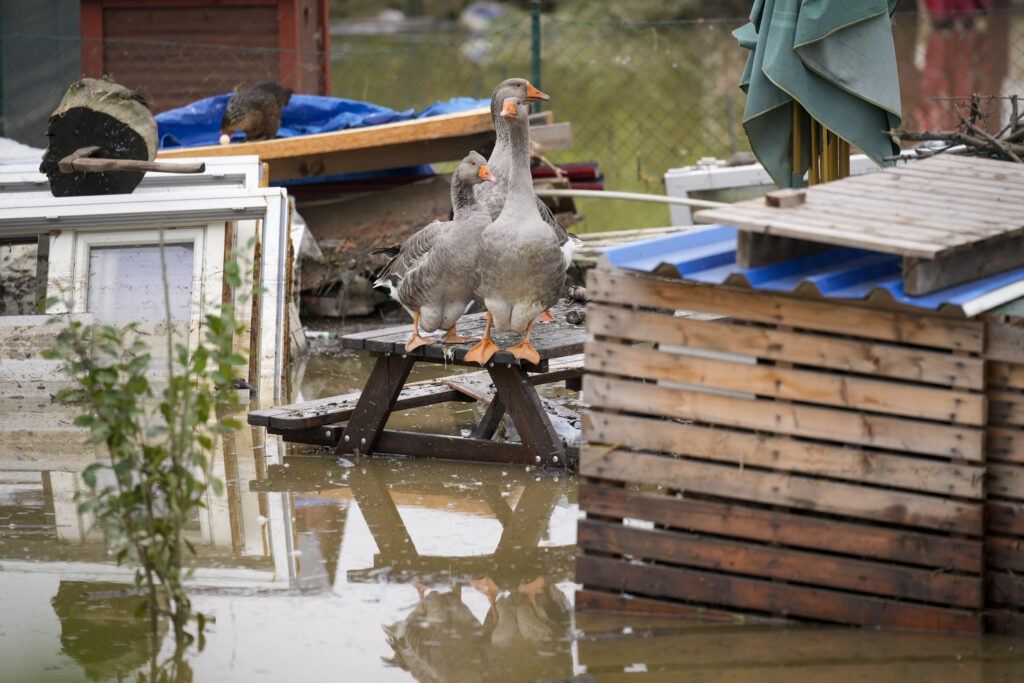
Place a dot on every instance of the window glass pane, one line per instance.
(126, 284)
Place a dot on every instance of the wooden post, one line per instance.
(524, 407)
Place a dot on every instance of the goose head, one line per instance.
(473, 170)
(515, 111)
(515, 87)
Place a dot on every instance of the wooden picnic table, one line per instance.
(506, 384)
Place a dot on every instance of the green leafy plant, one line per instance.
(159, 443)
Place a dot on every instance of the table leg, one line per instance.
(491, 419)
(375, 404)
(523, 404)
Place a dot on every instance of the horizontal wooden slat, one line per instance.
(1005, 588)
(770, 597)
(805, 493)
(1003, 342)
(785, 418)
(1004, 444)
(1000, 375)
(1004, 552)
(844, 391)
(792, 566)
(612, 286)
(1004, 517)
(1006, 408)
(1006, 481)
(786, 454)
(875, 358)
(783, 528)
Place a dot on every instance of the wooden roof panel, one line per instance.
(927, 209)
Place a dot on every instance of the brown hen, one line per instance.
(256, 111)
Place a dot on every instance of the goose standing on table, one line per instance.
(431, 274)
(520, 266)
(493, 195)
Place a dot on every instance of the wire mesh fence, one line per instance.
(641, 98)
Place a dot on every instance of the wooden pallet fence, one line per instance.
(1004, 505)
(781, 457)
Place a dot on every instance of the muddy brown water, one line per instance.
(392, 569)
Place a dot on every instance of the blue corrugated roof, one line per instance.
(709, 255)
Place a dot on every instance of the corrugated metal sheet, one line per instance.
(708, 255)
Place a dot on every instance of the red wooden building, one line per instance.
(177, 51)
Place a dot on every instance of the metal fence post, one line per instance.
(535, 47)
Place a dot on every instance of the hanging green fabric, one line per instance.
(836, 59)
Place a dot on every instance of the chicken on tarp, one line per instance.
(830, 63)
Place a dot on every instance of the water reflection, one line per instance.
(476, 543)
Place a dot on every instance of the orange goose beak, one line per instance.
(508, 110)
(534, 95)
(485, 173)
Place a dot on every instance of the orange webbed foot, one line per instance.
(546, 317)
(415, 340)
(451, 337)
(482, 352)
(524, 351)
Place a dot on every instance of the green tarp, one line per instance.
(834, 57)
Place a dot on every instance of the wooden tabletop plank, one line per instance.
(552, 340)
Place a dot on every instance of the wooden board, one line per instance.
(865, 215)
(787, 456)
(445, 137)
(766, 415)
(713, 589)
(769, 343)
(774, 527)
(788, 490)
(855, 319)
(832, 389)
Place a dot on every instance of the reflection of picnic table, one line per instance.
(518, 556)
(506, 386)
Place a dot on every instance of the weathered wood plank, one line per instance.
(924, 276)
(1004, 444)
(844, 391)
(1004, 517)
(1005, 588)
(784, 528)
(793, 566)
(785, 418)
(1006, 481)
(1004, 552)
(790, 455)
(886, 360)
(1004, 342)
(1000, 375)
(771, 597)
(754, 249)
(804, 493)
(621, 287)
(1006, 408)
(821, 228)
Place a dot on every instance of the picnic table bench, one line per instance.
(506, 385)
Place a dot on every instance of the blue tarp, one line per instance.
(198, 123)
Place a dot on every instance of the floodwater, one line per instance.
(389, 569)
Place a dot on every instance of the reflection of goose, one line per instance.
(426, 640)
(532, 612)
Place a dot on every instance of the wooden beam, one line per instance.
(754, 249)
(924, 276)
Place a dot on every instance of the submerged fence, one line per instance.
(641, 97)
